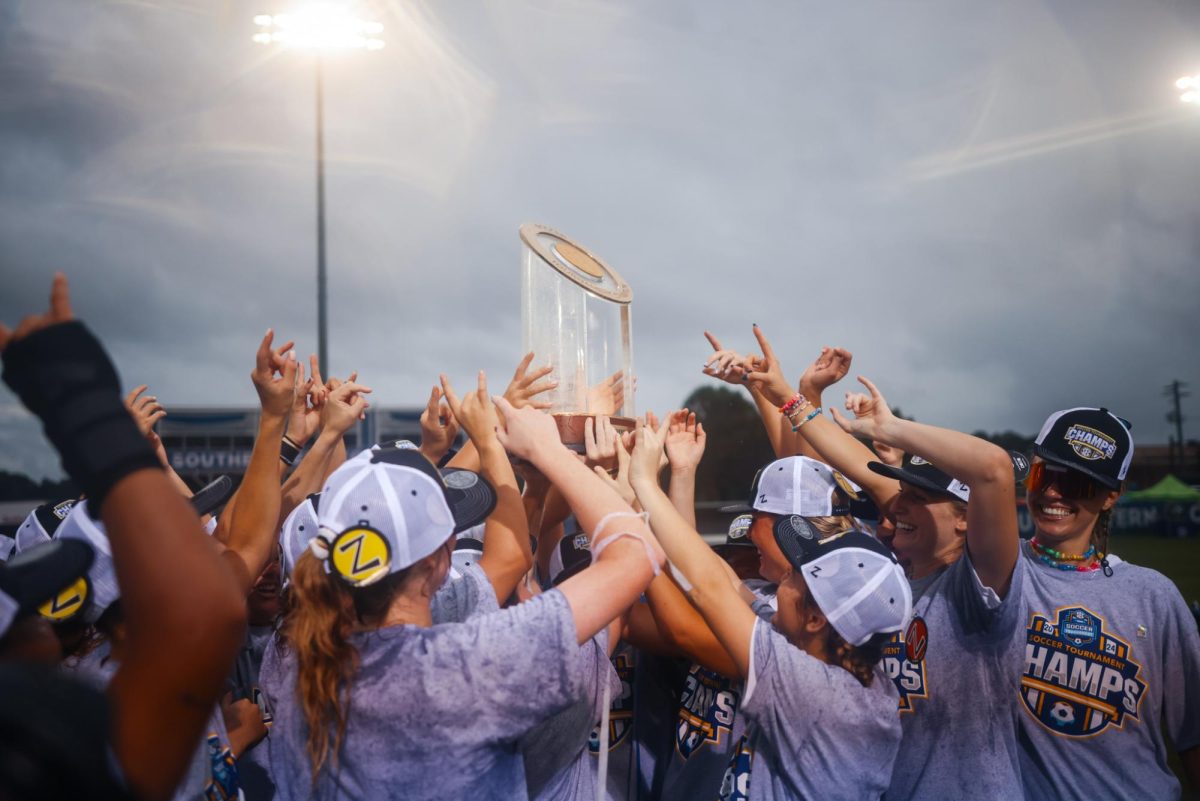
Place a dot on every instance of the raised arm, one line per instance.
(255, 517)
(339, 411)
(685, 442)
(183, 627)
(986, 468)
(731, 367)
(826, 440)
(623, 565)
(506, 551)
(713, 593)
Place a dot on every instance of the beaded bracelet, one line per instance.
(811, 415)
(797, 402)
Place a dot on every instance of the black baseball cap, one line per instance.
(924, 474)
(573, 554)
(34, 576)
(1093, 441)
(738, 536)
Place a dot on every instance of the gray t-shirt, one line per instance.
(557, 763)
(463, 596)
(814, 730)
(434, 712)
(953, 670)
(708, 728)
(1106, 663)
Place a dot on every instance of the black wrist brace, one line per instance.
(63, 375)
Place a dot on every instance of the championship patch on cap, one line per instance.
(1090, 444)
(68, 603)
(1094, 442)
(360, 555)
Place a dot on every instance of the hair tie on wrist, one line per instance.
(289, 451)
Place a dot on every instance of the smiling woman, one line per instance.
(1089, 613)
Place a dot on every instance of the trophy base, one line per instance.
(570, 427)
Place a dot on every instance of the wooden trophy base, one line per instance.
(570, 427)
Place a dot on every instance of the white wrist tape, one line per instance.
(599, 545)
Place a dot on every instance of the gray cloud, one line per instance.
(992, 206)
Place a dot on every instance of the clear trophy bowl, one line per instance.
(575, 317)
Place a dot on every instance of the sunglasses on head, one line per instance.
(1070, 483)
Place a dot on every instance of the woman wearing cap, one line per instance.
(821, 719)
(370, 699)
(954, 509)
(1109, 654)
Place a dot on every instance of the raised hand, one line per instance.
(526, 432)
(647, 457)
(305, 416)
(59, 312)
(438, 427)
(318, 392)
(888, 454)
(146, 411)
(476, 412)
(685, 440)
(767, 375)
(526, 385)
(872, 415)
(609, 395)
(275, 392)
(830, 367)
(600, 442)
(344, 406)
(620, 482)
(727, 365)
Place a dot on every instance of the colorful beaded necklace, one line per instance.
(1068, 561)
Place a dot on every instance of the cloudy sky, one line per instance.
(995, 206)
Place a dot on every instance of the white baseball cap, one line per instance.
(299, 527)
(854, 579)
(40, 525)
(798, 485)
(385, 512)
(99, 589)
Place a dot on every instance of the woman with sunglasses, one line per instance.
(1109, 651)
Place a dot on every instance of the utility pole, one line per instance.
(1176, 391)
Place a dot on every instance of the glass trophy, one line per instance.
(575, 317)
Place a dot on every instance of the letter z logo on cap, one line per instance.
(361, 555)
(68, 603)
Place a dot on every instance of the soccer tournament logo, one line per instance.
(904, 662)
(1078, 679)
(707, 707)
(620, 709)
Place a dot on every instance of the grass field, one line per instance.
(1178, 559)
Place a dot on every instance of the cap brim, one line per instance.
(470, 497)
(212, 495)
(911, 478)
(1050, 457)
(736, 509)
(35, 576)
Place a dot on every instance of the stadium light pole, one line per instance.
(319, 27)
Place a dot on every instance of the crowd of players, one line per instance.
(511, 619)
